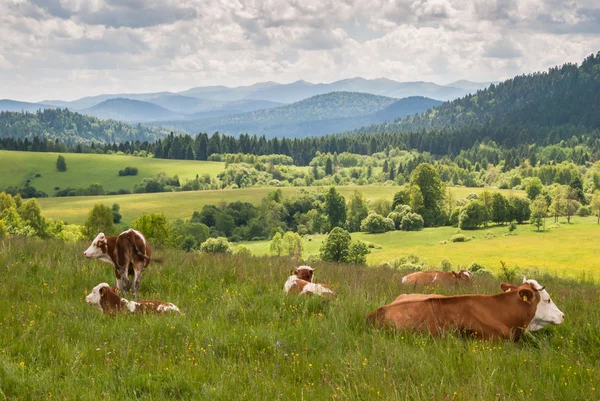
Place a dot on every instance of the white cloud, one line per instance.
(73, 48)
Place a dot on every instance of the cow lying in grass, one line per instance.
(300, 282)
(488, 317)
(437, 277)
(546, 312)
(103, 296)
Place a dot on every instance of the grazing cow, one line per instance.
(300, 282)
(436, 277)
(129, 253)
(488, 317)
(110, 303)
(547, 312)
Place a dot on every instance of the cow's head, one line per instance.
(547, 312)
(98, 248)
(462, 275)
(304, 273)
(96, 295)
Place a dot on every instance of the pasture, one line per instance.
(565, 249)
(181, 205)
(86, 169)
(241, 338)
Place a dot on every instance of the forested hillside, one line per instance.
(564, 95)
(318, 115)
(71, 128)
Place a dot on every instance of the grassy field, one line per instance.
(182, 204)
(240, 338)
(86, 169)
(564, 249)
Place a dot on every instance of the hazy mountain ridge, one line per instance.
(318, 115)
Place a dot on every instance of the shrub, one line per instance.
(513, 226)
(446, 265)
(155, 227)
(216, 245)
(128, 171)
(508, 274)
(188, 243)
(584, 211)
(38, 175)
(458, 238)
(412, 222)
(243, 251)
(375, 223)
(292, 244)
(479, 270)
(357, 253)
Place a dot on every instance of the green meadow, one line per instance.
(181, 205)
(241, 338)
(86, 169)
(563, 249)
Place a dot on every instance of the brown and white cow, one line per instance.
(437, 277)
(104, 297)
(300, 282)
(489, 317)
(129, 253)
(546, 312)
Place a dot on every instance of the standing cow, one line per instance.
(129, 253)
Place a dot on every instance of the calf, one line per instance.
(436, 277)
(104, 297)
(129, 253)
(488, 317)
(300, 282)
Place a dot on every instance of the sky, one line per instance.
(67, 49)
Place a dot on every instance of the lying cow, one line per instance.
(488, 317)
(546, 312)
(129, 253)
(300, 282)
(435, 277)
(104, 297)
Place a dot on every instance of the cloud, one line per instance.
(73, 48)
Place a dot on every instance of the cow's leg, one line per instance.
(123, 283)
(137, 278)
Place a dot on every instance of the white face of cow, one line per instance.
(547, 312)
(98, 249)
(94, 297)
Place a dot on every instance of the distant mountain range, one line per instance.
(294, 109)
(317, 115)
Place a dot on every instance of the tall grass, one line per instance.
(240, 337)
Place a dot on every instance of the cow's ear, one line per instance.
(292, 272)
(526, 295)
(507, 287)
(455, 274)
(102, 291)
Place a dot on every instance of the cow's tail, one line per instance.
(376, 317)
(132, 235)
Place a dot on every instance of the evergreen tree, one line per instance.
(61, 164)
(335, 208)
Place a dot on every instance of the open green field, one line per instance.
(181, 205)
(241, 338)
(86, 169)
(566, 249)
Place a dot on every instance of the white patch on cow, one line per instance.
(316, 289)
(305, 268)
(404, 279)
(140, 235)
(434, 278)
(131, 305)
(167, 308)
(547, 312)
(291, 281)
(94, 297)
(467, 273)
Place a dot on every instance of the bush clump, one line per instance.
(216, 245)
(458, 238)
(128, 171)
(375, 223)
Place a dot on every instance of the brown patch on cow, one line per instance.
(109, 301)
(304, 274)
(297, 287)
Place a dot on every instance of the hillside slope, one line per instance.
(72, 127)
(318, 115)
(130, 110)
